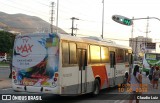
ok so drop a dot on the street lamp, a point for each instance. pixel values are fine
(146, 18)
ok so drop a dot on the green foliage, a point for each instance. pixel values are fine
(4, 63)
(6, 42)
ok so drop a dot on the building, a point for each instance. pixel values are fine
(138, 46)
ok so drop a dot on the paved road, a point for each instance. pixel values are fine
(4, 72)
(106, 96)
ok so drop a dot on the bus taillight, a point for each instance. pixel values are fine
(14, 75)
(56, 75)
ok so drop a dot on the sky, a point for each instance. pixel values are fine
(89, 13)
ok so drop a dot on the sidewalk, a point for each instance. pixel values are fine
(4, 67)
(5, 83)
(151, 90)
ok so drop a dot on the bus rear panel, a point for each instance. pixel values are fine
(35, 63)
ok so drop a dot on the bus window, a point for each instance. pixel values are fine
(73, 54)
(95, 54)
(88, 55)
(126, 56)
(130, 58)
(65, 53)
(104, 55)
(112, 59)
(119, 55)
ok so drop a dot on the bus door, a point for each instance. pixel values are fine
(82, 62)
(113, 67)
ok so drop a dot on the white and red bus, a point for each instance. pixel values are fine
(63, 64)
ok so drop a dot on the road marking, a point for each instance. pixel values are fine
(120, 101)
(117, 101)
(6, 88)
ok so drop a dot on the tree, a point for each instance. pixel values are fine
(6, 42)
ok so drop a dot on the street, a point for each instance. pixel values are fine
(79, 51)
(110, 95)
(4, 72)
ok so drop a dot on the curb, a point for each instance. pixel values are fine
(4, 67)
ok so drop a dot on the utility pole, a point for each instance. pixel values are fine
(102, 19)
(136, 51)
(73, 18)
(76, 29)
(146, 40)
(57, 16)
(147, 27)
(132, 41)
(52, 18)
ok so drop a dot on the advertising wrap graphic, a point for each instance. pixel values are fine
(35, 60)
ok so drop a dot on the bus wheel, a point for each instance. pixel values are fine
(96, 87)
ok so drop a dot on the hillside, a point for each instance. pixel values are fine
(24, 23)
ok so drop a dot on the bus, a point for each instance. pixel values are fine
(63, 64)
(150, 59)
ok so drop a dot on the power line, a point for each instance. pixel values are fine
(22, 9)
(117, 39)
(26, 5)
(67, 11)
(41, 3)
(48, 6)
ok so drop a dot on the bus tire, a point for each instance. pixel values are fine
(96, 87)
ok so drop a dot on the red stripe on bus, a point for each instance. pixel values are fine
(100, 71)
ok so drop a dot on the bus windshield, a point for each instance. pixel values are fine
(152, 58)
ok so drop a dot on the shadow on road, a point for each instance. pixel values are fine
(106, 94)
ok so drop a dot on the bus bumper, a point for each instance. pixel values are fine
(32, 89)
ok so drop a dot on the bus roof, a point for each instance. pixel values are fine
(91, 39)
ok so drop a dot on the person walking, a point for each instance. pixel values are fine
(156, 75)
(151, 74)
(135, 81)
(126, 77)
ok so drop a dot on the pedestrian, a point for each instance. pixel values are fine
(151, 74)
(156, 75)
(126, 77)
(135, 81)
